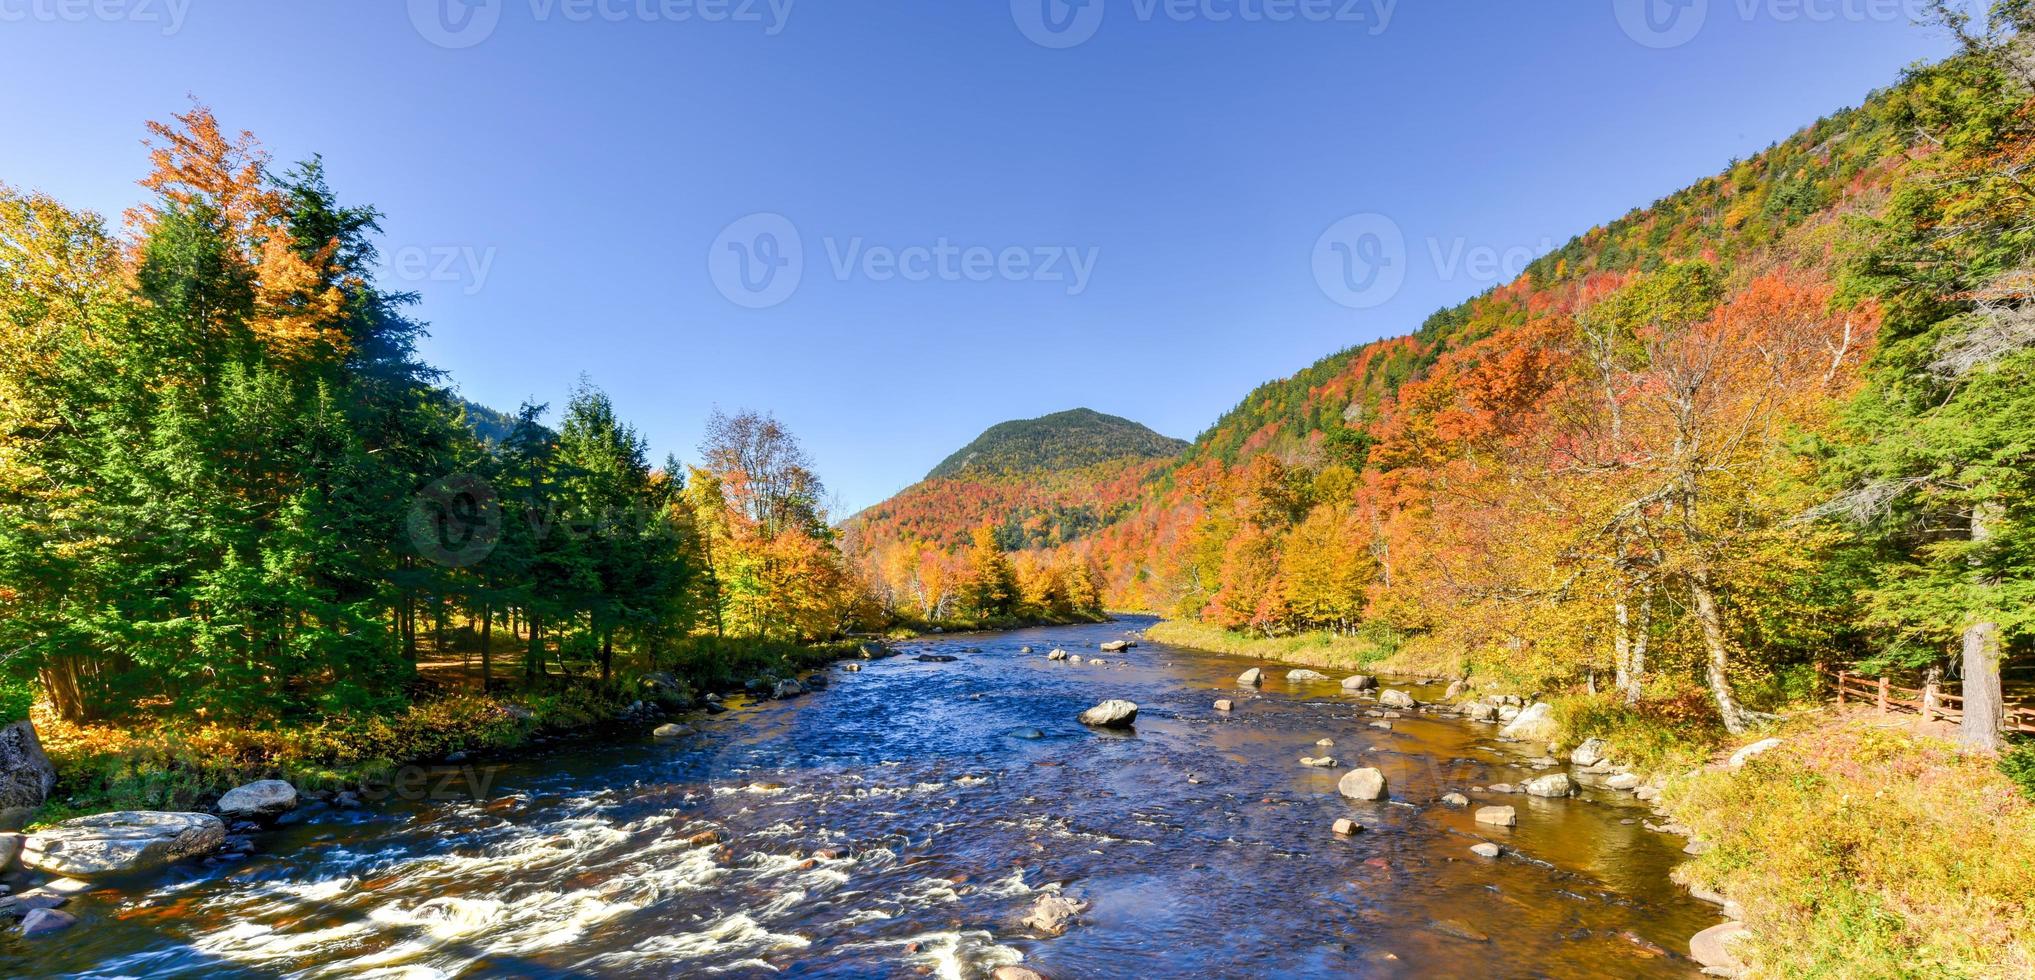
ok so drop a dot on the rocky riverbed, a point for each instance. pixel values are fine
(953, 816)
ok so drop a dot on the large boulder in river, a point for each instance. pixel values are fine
(1359, 682)
(1397, 699)
(1554, 785)
(1113, 713)
(1590, 752)
(1052, 914)
(1362, 784)
(1535, 724)
(1304, 676)
(259, 801)
(1251, 678)
(122, 842)
(26, 776)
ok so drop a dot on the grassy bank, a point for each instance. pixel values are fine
(1314, 649)
(1859, 851)
(171, 763)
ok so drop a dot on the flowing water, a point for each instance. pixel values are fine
(958, 793)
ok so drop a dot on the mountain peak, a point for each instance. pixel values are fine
(1065, 440)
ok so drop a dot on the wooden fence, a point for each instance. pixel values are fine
(1930, 701)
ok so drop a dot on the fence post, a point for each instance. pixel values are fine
(1883, 695)
(1932, 684)
(1841, 676)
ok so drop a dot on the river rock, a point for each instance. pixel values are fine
(1623, 780)
(852, 668)
(875, 651)
(1455, 690)
(1486, 849)
(1762, 746)
(1504, 788)
(1345, 827)
(26, 776)
(1554, 785)
(122, 842)
(1115, 646)
(1590, 752)
(1359, 682)
(1396, 699)
(935, 658)
(1502, 816)
(1113, 713)
(1073, 658)
(1647, 793)
(1052, 914)
(1455, 799)
(1479, 711)
(1533, 723)
(1029, 734)
(1712, 947)
(1318, 762)
(1057, 655)
(1362, 784)
(1304, 676)
(674, 730)
(1223, 704)
(1507, 712)
(1386, 725)
(1251, 678)
(1011, 971)
(259, 801)
(42, 922)
(1024, 649)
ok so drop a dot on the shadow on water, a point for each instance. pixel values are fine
(907, 818)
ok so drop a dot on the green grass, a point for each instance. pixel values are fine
(1317, 649)
(1657, 736)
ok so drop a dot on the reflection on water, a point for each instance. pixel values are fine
(907, 818)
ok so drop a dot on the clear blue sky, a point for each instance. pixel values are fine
(590, 157)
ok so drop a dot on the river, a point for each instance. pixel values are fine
(1199, 841)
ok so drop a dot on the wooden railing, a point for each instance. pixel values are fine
(1930, 700)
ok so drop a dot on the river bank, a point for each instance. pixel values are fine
(913, 812)
(1841, 842)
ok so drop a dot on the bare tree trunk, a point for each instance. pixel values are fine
(1985, 706)
(487, 636)
(1719, 655)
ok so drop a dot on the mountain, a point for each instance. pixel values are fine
(1067, 440)
(1038, 483)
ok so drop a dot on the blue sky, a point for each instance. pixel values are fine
(1144, 214)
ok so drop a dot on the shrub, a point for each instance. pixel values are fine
(2019, 765)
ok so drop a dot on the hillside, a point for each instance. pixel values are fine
(1058, 442)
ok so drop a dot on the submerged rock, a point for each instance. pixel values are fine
(1362, 784)
(1113, 713)
(42, 922)
(259, 801)
(122, 842)
(1501, 816)
(935, 658)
